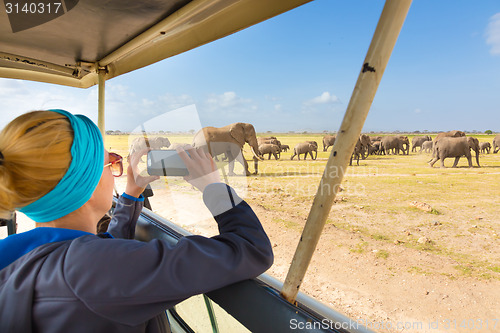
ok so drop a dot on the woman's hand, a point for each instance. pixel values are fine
(201, 167)
(135, 182)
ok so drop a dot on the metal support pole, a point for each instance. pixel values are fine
(383, 41)
(12, 225)
(101, 100)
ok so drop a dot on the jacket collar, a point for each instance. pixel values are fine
(15, 246)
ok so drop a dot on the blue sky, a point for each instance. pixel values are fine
(296, 72)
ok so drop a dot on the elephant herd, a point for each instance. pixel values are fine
(272, 146)
(367, 145)
(453, 144)
(229, 140)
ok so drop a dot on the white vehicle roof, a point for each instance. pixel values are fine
(69, 46)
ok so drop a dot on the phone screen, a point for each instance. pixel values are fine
(166, 163)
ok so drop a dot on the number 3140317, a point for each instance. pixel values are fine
(33, 8)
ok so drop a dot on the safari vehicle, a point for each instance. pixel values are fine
(40, 43)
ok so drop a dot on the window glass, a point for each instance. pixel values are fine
(194, 312)
(200, 313)
(225, 322)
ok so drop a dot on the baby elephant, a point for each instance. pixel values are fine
(269, 148)
(285, 147)
(426, 146)
(305, 148)
(485, 147)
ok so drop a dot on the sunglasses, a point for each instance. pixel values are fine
(116, 164)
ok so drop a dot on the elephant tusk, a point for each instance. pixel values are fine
(254, 154)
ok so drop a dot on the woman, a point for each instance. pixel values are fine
(61, 277)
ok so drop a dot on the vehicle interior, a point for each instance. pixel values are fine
(56, 51)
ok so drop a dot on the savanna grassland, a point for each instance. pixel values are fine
(380, 257)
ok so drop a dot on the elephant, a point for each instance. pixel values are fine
(485, 147)
(427, 146)
(269, 148)
(285, 147)
(362, 148)
(374, 148)
(229, 140)
(406, 142)
(314, 143)
(395, 143)
(365, 142)
(180, 145)
(375, 138)
(305, 148)
(496, 144)
(328, 140)
(455, 147)
(141, 143)
(417, 141)
(272, 140)
(452, 134)
(358, 151)
(267, 138)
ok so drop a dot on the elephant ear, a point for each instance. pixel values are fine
(166, 142)
(473, 143)
(238, 133)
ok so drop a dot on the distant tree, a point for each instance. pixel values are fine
(291, 132)
(416, 132)
(268, 132)
(305, 132)
(191, 131)
(488, 132)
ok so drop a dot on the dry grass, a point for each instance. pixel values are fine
(464, 225)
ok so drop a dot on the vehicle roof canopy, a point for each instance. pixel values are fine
(69, 47)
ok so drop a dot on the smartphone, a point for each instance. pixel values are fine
(166, 163)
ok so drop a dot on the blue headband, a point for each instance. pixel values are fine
(82, 177)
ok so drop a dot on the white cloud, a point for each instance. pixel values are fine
(324, 98)
(124, 109)
(272, 98)
(182, 119)
(18, 97)
(493, 34)
(418, 110)
(173, 102)
(227, 100)
(278, 107)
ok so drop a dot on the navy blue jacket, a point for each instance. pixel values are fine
(60, 280)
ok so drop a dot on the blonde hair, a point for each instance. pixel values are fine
(36, 149)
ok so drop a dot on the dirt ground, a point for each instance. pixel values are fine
(389, 293)
(385, 293)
